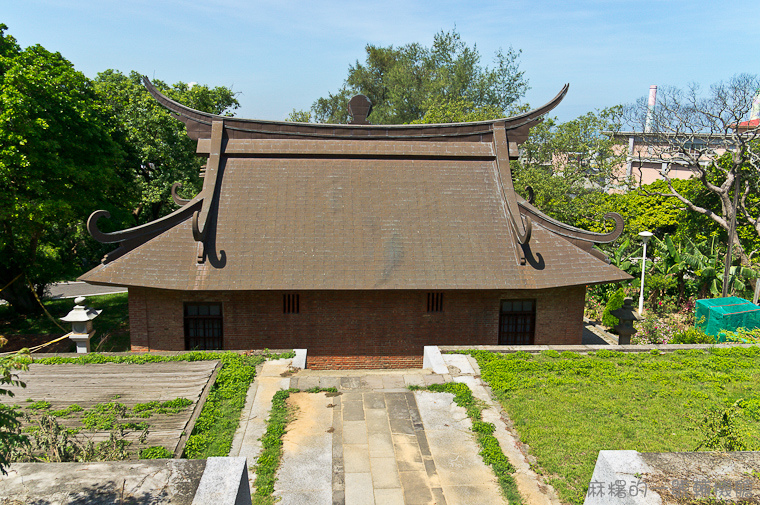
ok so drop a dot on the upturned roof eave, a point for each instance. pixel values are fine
(187, 114)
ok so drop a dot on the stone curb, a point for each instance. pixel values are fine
(432, 359)
(536, 349)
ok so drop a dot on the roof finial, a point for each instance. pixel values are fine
(359, 107)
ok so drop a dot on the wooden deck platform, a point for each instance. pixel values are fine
(128, 384)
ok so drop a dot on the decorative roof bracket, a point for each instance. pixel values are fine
(201, 217)
(133, 237)
(571, 232)
(521, 228)
(178, 199)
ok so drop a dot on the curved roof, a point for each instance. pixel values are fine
(311, 206)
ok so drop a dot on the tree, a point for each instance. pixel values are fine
(644, 209)
(458, 110)
(299, 116)
(565, 162)
(703, 132)
(58, 161)
(159, 152)
(404, 83)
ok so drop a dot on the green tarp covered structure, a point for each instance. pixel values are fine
(726, 314)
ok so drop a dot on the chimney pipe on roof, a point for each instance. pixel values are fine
(755, 112)
(650, 108)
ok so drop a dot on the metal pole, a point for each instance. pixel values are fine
(643, 269)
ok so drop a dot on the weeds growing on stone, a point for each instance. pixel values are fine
(490, 450)
(271, 444)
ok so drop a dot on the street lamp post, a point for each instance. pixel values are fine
(645, 236)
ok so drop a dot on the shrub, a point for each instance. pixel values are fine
(614, 303)
(11, 438)
(725, 429)
(52, 443)
(692, 336)
(653, 330)
(742, 336)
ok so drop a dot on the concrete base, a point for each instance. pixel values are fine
(224, 482)
(433, 360)
(82, 341)
(300, 360)
(630, 477)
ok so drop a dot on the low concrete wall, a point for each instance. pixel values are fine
(630, 477)
(158, 353)
(157, 481)
(221, 481)
(535, 349)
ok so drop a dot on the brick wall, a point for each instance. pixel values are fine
(356, 329)
(361, 362)
(138, 319)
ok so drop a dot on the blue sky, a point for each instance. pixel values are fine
(282, 55)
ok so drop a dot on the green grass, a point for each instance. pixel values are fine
(112, 323)
(490, 450)
(567, 407)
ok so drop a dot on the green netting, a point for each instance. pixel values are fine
(727, 314)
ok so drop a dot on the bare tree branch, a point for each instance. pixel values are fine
(706, 133)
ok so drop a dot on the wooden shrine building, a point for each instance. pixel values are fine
(361, 243)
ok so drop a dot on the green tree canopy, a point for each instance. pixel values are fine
(58, 161)
(158, 150)
(405, 83)
(645, 210)
(563, 162)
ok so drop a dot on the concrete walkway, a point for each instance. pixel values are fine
(258, 403)
(377, 442)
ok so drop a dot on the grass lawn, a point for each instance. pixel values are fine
(567, 407)
(111, 327)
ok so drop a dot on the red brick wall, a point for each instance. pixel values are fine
(138, 320)
(357, 362)
(367, 329)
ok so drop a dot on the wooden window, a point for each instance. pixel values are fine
(435, 302)
(517, 322)
(291, 303)
(203, 326)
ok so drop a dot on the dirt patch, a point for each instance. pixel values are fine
(308, 410)
(18, 342)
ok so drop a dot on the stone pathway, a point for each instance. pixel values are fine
(377, 442)
(258, 403)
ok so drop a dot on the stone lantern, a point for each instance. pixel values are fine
(81, 318)
(626, 315)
